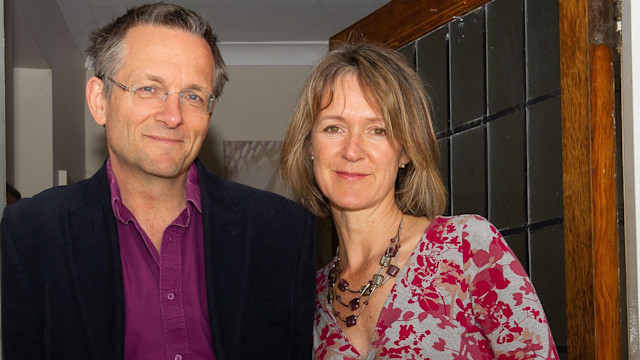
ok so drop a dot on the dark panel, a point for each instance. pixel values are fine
(505, 58)
(409, 52)
(468, 180)
(444, 170)
(543, 51)
(518, 244)
(506, 150)
(624, 331)
(545, 161)
(547, 275)
(432, 51)
(467, 68)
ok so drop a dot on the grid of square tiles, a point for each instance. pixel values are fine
(493, 76)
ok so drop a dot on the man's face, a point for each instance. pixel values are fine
(158, 141)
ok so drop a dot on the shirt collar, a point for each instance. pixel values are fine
(123, 214)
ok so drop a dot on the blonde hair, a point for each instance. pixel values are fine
(393, 89)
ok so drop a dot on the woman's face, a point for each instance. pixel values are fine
(355, 163)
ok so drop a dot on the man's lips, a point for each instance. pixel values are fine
(164, 139)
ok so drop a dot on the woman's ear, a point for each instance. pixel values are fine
(96, 100)
(404, 159)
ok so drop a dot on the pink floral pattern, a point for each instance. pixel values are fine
(461, 295)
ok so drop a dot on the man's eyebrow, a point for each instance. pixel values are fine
(192, 86)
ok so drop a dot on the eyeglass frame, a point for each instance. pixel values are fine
(210, 104)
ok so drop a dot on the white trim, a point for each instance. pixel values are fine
(631, 164)
(305, 53)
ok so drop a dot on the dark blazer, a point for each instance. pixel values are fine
(62, 292)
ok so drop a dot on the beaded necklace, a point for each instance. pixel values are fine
(367, 290)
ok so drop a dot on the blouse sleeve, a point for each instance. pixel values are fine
(505, 304)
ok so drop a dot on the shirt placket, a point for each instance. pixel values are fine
(171, 299)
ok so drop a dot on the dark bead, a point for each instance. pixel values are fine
(392, 251)
(368, 290)
(343, 285)
(330, 296)
(332, 278)
(354, 304)
(393, 270)
(350, 320)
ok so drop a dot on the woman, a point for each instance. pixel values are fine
(360, 148)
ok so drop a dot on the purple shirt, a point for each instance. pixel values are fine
(166, 314)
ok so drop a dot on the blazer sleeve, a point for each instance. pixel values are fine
(22, 303)
(304, 293)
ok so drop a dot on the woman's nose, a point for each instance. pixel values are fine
(353, 149)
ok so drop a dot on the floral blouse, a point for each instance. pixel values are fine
(461, 295)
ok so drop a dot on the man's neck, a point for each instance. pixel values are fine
(154, 201)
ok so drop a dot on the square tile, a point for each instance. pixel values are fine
(518, 244)
(466, 62)
(443, 144)
(544, 138)
(507, 183)
(547, 275)
(542, 47)
(431, 52)
(468, 179)
(409, 53)
(505, 55)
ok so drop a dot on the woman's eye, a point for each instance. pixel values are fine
(380, 131)
(332, 129)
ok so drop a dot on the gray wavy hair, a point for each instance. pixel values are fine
(105, 51)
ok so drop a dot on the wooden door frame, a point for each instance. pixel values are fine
(588, 143)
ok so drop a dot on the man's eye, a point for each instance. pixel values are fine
(147, 90)
(192, 97)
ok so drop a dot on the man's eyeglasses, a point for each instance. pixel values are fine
(191, 101)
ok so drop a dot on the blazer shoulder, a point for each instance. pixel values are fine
(52, 201)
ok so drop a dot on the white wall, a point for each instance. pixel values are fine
(47, 27)
(32, 130)
(631, 164)
(256, 105)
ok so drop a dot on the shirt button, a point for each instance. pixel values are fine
(172, 296)
(178, 357)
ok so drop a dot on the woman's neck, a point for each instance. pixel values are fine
(364, 235)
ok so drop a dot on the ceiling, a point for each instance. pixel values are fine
(251, 32)
(237, 22)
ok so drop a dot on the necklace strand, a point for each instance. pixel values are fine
(367, 290)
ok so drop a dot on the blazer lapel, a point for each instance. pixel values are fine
(94, 257)
(227, 247)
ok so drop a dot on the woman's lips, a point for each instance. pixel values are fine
(350, 175)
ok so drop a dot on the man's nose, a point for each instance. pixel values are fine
(172, 111)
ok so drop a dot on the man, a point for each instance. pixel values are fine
(155, 257)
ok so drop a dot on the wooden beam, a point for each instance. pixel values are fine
(605, 220)
(590, 215)
(576, 163)
(402, 21)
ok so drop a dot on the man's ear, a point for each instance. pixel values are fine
(96, 100)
